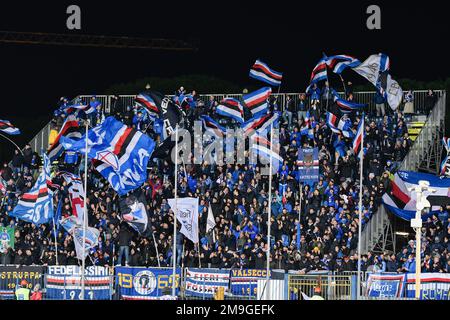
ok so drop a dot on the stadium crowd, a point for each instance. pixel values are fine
(238, 197)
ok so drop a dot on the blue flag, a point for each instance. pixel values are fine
(121, 153)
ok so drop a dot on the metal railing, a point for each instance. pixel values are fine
(329, 286)
(429, 133)
(40, 141)
(373, 229)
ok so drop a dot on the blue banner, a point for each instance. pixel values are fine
(205, 282)
(64, 283)
(385, 285)
(308, 163)
(433, 286)
(139, 283)
(245, 282)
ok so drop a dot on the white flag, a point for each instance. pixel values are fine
(187, 215)
(210, 222)
(375, 69)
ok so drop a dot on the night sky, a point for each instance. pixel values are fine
(230, 37)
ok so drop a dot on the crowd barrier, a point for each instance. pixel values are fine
(141, 283)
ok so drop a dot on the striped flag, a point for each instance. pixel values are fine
(69, 129)
(338, 125)
(345, 106)
(87, 108)
(7, 127)
(262, 72)
(213, 127)
(342, 61)
(319, 72)
(446, 143)
(230, 107)
(36, 206)
(265, 149)
(357, 141)
(260, 123)
(147, 102)
(256, 101)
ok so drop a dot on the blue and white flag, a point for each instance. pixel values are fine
(257, 101)
(260, 124)
(7, 127)
(338, 125)
(265, 149)
(357, 141)
(262, 72)
(122, 153)
(75, 228)
(230, 107)
(36, 206)
(319, 72)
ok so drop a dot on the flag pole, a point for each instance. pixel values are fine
(12, 143)
(361, 156)
(156, 248)
(174, 253)
(83, 262)
(56, 242)
(269, 216)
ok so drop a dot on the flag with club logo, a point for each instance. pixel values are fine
(257, 101)
(261, 71)
(187, 215)
(376, 70)
(232, 108)
(7, 127)
(36, 206)
(133, 210)
(69, 129)
(121, 153)
(7, 238)
(73, 226)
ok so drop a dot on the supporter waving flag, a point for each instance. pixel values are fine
(87, 108)
(262, 72)
(213, 127)
(7, 127)
(121, 153)
(257, 101)
(230, 107)
(36, 206)
(69, 129)
(267, 150)
(134, 212)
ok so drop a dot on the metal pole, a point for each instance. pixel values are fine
(56, 241)
(269, 216)
(12, 143)
(83, 262)
(174, 254)
(418, 245)
(156, 248)
(361, 160)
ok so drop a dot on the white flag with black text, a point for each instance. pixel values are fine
(187, 215)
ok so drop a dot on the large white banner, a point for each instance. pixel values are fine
(374, 69)
(187, 215)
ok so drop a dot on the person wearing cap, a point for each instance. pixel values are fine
(22, 292)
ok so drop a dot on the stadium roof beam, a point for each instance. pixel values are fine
(82, 40)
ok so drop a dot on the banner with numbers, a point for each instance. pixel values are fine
(245, 282)
(139, 283)
(10, 277)
(64, 283)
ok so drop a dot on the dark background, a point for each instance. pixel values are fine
(230, 36)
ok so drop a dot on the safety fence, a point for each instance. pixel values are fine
(142, 283)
